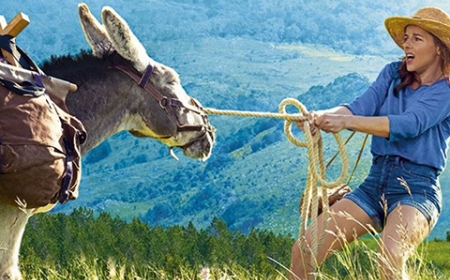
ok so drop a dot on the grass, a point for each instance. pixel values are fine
(83, 269)
(357, 261)
(438, 254)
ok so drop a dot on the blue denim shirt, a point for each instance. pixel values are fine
(419, 120)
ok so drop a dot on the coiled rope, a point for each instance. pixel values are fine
(316, 168)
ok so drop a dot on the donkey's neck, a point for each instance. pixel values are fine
(102, 102)
(102, 108)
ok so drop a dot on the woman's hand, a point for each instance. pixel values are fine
(330, 122)
(333, 120)
(311, 117)
(324, 121)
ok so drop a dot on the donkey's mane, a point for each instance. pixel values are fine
(87, 67)
(76, 68)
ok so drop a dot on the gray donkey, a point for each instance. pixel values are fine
(119, 88)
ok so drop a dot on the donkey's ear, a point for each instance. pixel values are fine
(123, 39)
(94, 32)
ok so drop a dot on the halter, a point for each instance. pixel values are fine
(169, 104)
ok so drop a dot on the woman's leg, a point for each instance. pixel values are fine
(348, 221)
(405, 228)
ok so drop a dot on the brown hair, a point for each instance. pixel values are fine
(409, 77)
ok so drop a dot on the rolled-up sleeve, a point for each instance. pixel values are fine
(431, 109)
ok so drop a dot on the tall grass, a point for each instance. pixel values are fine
(83, 269)
(357, 261)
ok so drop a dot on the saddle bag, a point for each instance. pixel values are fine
(40, 160)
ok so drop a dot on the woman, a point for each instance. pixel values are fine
(407, 112)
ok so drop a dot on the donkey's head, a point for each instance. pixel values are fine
(165, 111)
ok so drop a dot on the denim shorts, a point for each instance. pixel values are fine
(394, 181)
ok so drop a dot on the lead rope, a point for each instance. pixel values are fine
(316, 168)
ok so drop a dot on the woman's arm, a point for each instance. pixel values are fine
(339, 118)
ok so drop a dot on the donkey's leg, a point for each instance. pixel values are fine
(12, 225)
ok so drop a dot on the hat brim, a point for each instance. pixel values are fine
(396, 28)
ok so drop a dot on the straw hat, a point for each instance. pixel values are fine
(433, 20)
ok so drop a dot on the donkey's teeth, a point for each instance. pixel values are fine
(172, 153)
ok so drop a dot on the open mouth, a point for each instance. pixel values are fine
(409, 57)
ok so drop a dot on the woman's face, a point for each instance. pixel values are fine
(421, 51)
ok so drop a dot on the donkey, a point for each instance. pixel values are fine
(119, 88)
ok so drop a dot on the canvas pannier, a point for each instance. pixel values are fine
(39, 146)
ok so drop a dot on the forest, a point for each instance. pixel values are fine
(62, 239)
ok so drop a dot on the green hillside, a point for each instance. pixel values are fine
(242, 55)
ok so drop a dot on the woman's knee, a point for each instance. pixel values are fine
(393, 254)
(392, 259)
